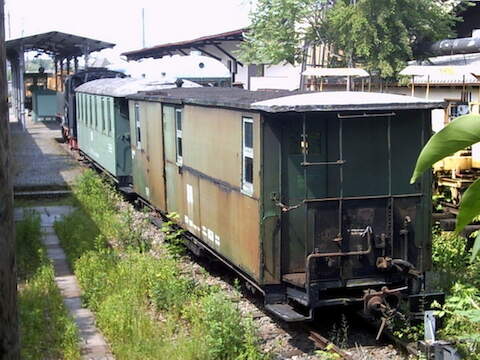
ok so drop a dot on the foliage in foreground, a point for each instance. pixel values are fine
(457, 135)
(144, 306)
(460, 280)
(46, 330)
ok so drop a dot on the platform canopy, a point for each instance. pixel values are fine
(57, 44)
(182, 47)
(61, 46)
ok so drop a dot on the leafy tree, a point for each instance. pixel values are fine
(457, 135)
(379, 34)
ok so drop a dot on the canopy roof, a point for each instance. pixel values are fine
(443, 74)
(57, 43)
(187, 45)
(336, 72)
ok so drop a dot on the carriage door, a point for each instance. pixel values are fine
(155, 158)
(301, 180)
(171, 167)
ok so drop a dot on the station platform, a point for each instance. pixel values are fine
(40, 161)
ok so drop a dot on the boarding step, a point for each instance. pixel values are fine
(286, 313)
(297, 295)
(296, 279)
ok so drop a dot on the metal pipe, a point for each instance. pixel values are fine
(338, 162)
(341, 253)
(340, 150)
(365, 197)
(305, 174)
(365, 115)
(338, 254)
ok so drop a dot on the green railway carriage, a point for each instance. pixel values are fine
(103, 123)
(307, 195)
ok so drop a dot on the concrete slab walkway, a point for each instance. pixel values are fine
(40, 161)
(93, 345)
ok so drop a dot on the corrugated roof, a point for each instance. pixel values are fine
(119, 87)
(344, 101)
(445, 70)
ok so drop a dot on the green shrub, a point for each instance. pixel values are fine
(461, 314)
(224, 332)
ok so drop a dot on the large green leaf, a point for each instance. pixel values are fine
(476, 246)
(469, 206)
(460, 133)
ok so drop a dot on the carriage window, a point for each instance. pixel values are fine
(106, 115)
(80, 107)
(102, 113)
(137, 125)
(90, 110)
(77, 100)
(112, 115)
(84, 108)
(95, 109)
(247, 156)
(178, 132)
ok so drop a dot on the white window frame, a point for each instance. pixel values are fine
(138, 129)
(247, 152)
(179, 136)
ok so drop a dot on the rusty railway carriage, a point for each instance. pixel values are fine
(307, 196)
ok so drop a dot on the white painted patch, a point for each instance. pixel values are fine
(204, 231)
(185, 219)
(110, 148)
(189, 194)
(217, 240)
(133, 154)
(147, 191)
(210, 235)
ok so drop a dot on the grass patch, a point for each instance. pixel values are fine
(144, 305)
(460, 279)
(46, 330)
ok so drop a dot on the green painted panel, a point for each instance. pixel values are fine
(406, 130)
(365, 150)
(270, 223)
(122, 138)
(112, 152)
